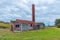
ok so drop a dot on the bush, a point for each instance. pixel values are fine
(58, 25)
(3, 27)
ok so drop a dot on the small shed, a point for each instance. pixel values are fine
(22, 25)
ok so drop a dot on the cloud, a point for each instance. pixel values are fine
(46, 10)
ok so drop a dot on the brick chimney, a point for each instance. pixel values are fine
(33, 12)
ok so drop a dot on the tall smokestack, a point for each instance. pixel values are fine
(33, 12)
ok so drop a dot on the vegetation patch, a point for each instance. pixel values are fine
(4, 25)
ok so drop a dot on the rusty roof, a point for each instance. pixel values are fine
(25, 21)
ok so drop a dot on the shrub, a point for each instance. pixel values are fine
(58, 25)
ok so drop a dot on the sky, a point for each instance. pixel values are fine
(46, 11)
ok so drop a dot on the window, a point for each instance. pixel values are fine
(31, 25)
(17, 26)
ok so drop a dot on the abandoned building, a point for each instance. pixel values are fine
(24, 25)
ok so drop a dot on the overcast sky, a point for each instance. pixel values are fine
(46, 10)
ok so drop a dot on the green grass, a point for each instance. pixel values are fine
(43, 34)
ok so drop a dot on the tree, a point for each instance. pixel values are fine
(12, 21)
(57, 21)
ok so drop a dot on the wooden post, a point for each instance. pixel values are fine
(11, 27)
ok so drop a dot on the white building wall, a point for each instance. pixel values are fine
(22, 27)
(25, 27)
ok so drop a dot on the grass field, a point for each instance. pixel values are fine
(43, 34)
